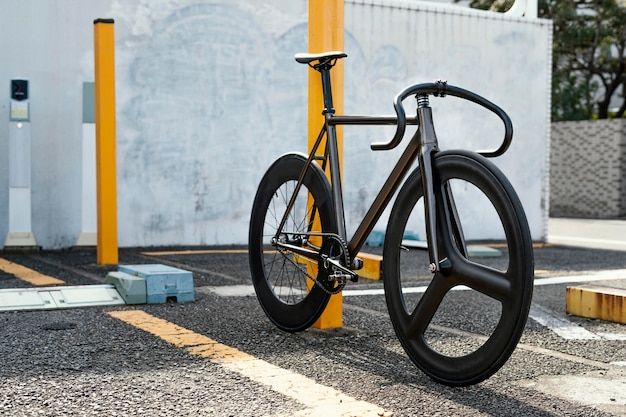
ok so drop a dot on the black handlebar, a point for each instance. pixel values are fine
(441, 89)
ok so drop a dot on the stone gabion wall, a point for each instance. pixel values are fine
(588, 169)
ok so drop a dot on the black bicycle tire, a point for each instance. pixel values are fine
(491, 356)
(301, 315)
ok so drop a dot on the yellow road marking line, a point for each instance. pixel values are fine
(320, 399)
(536, 245)
(27, 274)
(201, 252)
(194, 252)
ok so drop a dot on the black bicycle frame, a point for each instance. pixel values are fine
(422, 146)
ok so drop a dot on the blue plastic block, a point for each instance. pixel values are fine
(131, 287)
(377, 238)
(163, 282)
(480, 251)
(408, 235)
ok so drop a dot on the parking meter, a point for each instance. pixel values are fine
(20, 233)
(19, 101)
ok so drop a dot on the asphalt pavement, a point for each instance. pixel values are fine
(220, 355)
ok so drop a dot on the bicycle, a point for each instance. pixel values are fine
(300, 255)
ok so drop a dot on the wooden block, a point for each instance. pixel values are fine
(596, 302)
(371, 266)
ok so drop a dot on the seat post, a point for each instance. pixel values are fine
(327, 90)
(323, 63)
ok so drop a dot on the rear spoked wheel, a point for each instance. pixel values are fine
(284, 280)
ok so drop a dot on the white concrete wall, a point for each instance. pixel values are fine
(506, 59)
(208, 95)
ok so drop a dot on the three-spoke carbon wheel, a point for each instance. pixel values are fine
(281, 278)
(461, 324)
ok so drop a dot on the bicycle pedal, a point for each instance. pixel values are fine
(341, 278)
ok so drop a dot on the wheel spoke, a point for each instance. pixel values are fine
(427, 306)
(491, 282)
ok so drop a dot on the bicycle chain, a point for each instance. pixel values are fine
(344, 248)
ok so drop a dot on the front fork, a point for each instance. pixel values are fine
(433, 197)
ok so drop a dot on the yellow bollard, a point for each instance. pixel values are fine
(326, 27)
(106, 178)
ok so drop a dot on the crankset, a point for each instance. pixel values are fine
(332, 265)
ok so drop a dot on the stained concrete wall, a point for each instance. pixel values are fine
(208, 95)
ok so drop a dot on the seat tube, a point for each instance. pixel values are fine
(333, 153)
(335, 175)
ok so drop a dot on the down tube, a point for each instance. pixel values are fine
(384, 196)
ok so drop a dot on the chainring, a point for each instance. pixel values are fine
(334, 248)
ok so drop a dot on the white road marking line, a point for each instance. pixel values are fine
(564, 328)
(245, 290)
(569, 279)
(561, 326)
(612, 336)
(408, 290)
(229, 290)
(248, 290)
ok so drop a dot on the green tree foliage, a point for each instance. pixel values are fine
(589, 55)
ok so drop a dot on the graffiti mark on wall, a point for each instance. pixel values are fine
(216, 99)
